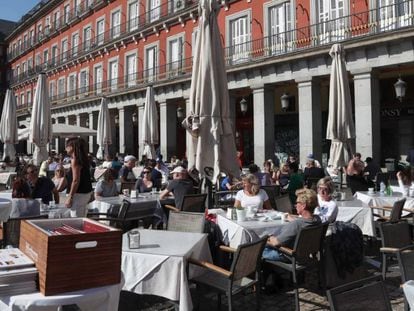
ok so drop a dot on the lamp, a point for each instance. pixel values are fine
(116, 119)
(285, 101)
(87, 123)
(134, 118)
(400, 87)
(180, 113)
(243, 105)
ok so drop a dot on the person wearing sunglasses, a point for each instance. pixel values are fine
(41, 186)
(327, 209)
(145, 183)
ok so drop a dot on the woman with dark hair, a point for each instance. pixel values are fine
(145, 183)
(22, 204)
(80, 176)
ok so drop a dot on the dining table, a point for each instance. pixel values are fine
(6, 178)
(357, 212)
(159, 265)
(378, 198)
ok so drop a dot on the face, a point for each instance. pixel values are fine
(130, 164)
(323, 191)
(69, 149)
(31, 174)
(146, 173)
(247, 185)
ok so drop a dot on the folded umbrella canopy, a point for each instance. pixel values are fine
(340, 129)
(209, 122)
(8, 126)
(104, 135)
(61, 130)
(40, 121)
(149, 129)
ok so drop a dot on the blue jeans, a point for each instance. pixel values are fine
(270, 253)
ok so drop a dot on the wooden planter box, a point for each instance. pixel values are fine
(74, 261)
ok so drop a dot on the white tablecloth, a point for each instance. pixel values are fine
(380, 199)
(7, 178)
(104, 298)
(158, 267)
(408, 288)
(5, 209)
(357, 212)
(236, 232)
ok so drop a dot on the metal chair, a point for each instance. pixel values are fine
(272, 192)
(307, 246)
(395, 211)
(283, 204)
(195, 203)
(405, 257)
(11, 229)
(224, 199)
(186, 222)
(394, 237)
(246, 262)
(364, 294)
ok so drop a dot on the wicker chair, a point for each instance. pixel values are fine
(272, 192)
(11, 229)
(283, 204)
(246, 262)
(365, 294)
(394, 236)
(308, 245)
(186, 222)
(195, 203)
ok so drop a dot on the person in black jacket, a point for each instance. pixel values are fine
(312, 173)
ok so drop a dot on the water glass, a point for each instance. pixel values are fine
(134, 238)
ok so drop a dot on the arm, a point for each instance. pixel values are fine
(273, 241)
(266, 205)
(164, 194)
(56, 195)
(237, 204)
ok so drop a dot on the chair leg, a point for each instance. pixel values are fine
(230, 301)
(295, 284)
(384, 266)
(218, 301)
(258, 291)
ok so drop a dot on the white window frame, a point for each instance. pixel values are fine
(100, 37)
(61, 93)
(74, 48)
(56, 21)
(52, 89)
(113, 81)
(87, 42)
(98, 84)
(131, 77)
(83, 89)
(66, 13)
(175, 66)
(54, 58)
(240, 50)
(22, 98)
(63, 51)
(72, 89)
(151, 72)
(116, 29)
(29, 96)
(154, 10)
(133, 21)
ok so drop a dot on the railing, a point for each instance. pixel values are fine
(345, 28)
(150, 16)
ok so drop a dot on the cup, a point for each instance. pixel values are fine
(229, 213)
(125, 192)
(134, 238)
(343, 196)
(133, 194)
(283, 217)
(370, 190)
(154, 190)
(241, 214)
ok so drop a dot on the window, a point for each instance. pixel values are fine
(29, 96)
(175, 56)
(280, 28)
(17, 70)
(77, 7)
(31, 37)
(72, 85)
(45, 58)
(38, 59)
(52, 89)
(98, 79)
(56, 19)
(22, 102)
(133, 15)
(100, 31)
(151, 63)
(239, 37)
(25, 42)
(75, 44)
(395, 13)
(64, 50)
(155, 10)
(61, 88)
(113, 74)
(116, 24)
(47, 25)
(176, 5)
(39, 32)
(131, 76)
(66, 13)
(331, 27)
(30, 64)
(54, 55)
(87, 34)
(83, 82)
(24, 68)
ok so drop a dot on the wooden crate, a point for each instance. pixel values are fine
(76, 261)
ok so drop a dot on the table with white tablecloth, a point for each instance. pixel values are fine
(104, 298)
(158, 267)
(6, 178)
(381, 199)
(357, 212)
(408, 288)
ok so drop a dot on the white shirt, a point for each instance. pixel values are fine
(256, 200)
(327, 210)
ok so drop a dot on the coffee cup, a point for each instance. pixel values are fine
(371, 190)
(125, 192)
(133, 193)
(283, 217)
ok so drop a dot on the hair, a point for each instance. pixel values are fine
(252, 179)
(58, 169)
(20, 188)
(31, 166)
(80, 151)
(253, 168)
(357, 154)
(109, 173)
(307, 197)
(294, 166)
(328, 183)
(310, 162)
(358, 166)
(406, 176)
(148, 168)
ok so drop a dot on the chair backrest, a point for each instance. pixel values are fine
(396, 211)
(194, 203)
(381, 177)
(124, 209)
(186, 222)
(127, 185)
(311, 182)
(247, 259)
(406, 262)
(224, 199)
(395, 235)
(364, 294)
(283, 204)
(11, 229)
(272, 192)
(309, 241)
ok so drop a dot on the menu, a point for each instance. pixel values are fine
(14, 258)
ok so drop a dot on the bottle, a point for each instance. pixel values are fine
(389, 190)
(382, 187)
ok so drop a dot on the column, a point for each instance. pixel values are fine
(367, 115)
(57, 138)
(140, 117)
(91, 139)
(122, 127)
(67, 120)
(310, 119)
(78, 119)
(168, 129)
(263, 123)
(233, 103)
(188, 138)
(28, 143)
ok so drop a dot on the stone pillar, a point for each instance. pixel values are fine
(56, 138)
(67, 120)
(310, 119)
(263, 123)
(78, 119)
(28, 143)
(168, 129)
(140, 117)
(91, 138)
(122, 127)
(233, 103)
(367, 115)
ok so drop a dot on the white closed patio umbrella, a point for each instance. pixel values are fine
(8, 126)
(340, 129)
(209, 122)
(104, 135)
(40, 121)
(149, 128)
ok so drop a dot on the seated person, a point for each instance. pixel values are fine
(59, 179)
(371, 169)
(229, 183)
(355, 179)
(282, 176)
(327, 209)
(125, 173)
(404, 180)
(22, 204)
(306, 203)
(179, 186)
(145, 183)
(251, 194)
(265, 179)
(312, 172)
(106, 186)
(41, 186)
(295, 181)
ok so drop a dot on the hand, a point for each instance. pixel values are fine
(272, 241)
(69, 202)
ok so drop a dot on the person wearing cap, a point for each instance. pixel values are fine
(125, 173)
(316, 162)
(179, 186)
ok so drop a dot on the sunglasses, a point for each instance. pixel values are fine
(146, 172)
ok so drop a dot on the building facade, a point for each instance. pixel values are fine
(115, 48)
